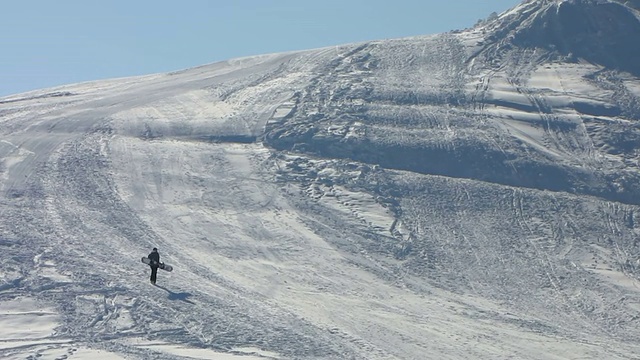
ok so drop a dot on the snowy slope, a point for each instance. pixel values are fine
(468, 195)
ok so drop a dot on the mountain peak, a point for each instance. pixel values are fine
(603, 32)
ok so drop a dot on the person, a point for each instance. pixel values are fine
(155, 263)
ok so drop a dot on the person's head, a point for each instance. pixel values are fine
(155, 249)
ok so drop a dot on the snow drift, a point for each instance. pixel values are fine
(464, 195)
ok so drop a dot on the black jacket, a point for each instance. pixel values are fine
(154, 257)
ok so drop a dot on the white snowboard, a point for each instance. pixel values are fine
(162, 266)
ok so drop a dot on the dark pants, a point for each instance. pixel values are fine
(154, 273)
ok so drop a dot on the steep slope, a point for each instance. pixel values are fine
(467, 195)
(600, 32)
(438, 94)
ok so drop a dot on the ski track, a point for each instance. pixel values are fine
(297, 254)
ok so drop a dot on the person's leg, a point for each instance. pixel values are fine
(154, 273)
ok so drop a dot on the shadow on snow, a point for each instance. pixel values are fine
(183, 296)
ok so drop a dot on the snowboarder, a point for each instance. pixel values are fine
(155, 263)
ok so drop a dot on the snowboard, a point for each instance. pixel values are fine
(163, 266)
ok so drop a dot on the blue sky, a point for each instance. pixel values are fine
(45, 43)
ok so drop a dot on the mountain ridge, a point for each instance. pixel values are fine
(464, 63)
(593, 30)
(448, 196)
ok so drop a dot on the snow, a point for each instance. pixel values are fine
(29, 328)
(204, 354)
(27, 319)
(633, 87)
(384, 200)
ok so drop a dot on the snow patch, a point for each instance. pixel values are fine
(634, 87)
(202, 354)
(26, 319)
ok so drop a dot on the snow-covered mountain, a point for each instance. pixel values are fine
(468, 195)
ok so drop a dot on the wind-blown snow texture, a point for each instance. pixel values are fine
(469, 195)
